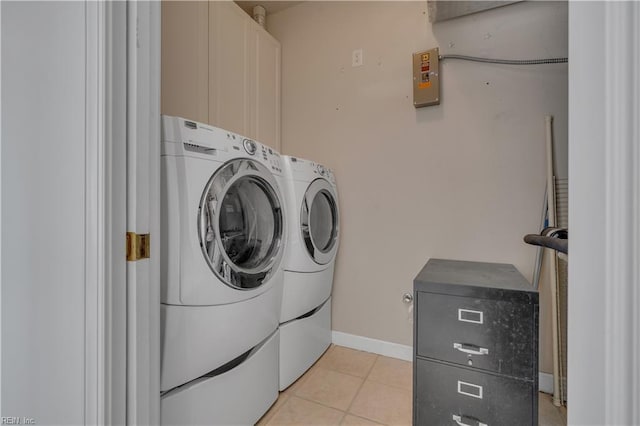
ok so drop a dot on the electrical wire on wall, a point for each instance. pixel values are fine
(506, 61)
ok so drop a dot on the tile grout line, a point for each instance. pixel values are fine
(381, 382)
(343, 372)
(272, 415)
(372, 366)
(367, 378)
(320, 403)
(391, 386)
(361, 386)
(307, 400)
(305, 377)
(363, 378)
(312, 370)
(323, 404)
(367, 419)
(376, 356)
(344, 413)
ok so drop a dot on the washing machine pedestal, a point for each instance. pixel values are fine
(240, 395)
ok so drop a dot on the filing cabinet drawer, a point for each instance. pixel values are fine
(450, 395)
(491, 335)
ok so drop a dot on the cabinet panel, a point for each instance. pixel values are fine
(184, 62)
(229, 53)
(267, 99)
(220, 67)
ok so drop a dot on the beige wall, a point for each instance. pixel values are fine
(462, 180)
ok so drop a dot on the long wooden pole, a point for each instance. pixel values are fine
(552, 261)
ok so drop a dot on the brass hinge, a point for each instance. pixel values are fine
(137, 246)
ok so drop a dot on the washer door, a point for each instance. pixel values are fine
(240, 224)
(319, 221)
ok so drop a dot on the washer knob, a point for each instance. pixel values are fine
(321, 170)
(249, 146)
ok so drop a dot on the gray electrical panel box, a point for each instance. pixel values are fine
(426, 78)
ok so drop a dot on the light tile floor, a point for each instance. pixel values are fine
(349, 387)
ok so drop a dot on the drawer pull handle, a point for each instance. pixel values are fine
(471, 349)
(469, 315)
(459, 420)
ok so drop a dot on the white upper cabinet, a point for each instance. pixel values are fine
(267, 91)
(230, 74)
(185, 61)
(229, 67)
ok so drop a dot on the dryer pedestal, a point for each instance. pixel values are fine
(302, 343)
(304, 291)
(239, 396)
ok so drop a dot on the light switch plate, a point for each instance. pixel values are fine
(356, 58)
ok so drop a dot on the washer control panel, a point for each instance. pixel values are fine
(271, 158)
(249, 146)
(185, 137)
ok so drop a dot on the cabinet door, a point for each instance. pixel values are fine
(184, 63)
(267, 89)
(230, 45)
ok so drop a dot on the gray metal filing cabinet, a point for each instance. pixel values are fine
(475, 345)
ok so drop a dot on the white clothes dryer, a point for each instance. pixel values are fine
(222, 244)
(311, 197)
(314, 228)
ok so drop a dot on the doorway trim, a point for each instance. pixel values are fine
(96, 305)
(622, 185)
(604, 213)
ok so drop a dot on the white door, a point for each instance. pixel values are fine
(79, 167)
(142, 210)
(604, 213)
(56, 333)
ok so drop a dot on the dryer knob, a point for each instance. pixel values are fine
(321, 170)
(249, 146)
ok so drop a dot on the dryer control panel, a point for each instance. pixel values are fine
(308, 168)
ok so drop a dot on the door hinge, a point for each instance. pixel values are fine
(137, 246)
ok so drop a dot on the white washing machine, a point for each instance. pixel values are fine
(305, 317)
(222, 244)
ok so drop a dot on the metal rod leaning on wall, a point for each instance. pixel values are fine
(540, 249)
(552, 260)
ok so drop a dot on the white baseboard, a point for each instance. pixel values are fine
(405, 352)
(545, 383)
(380, 347)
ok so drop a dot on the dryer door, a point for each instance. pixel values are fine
(319, 221)
(240, 224)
